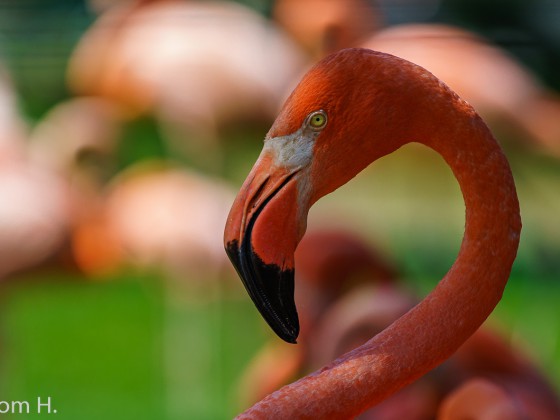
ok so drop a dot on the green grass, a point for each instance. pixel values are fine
(93, 348)
(122, 349)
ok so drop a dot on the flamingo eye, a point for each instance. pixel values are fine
(317, 120)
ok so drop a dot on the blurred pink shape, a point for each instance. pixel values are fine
(53, 181)
(324, 26)
(76, 141)
(500, 88)
(329, 263)
(34, 216)
(480, 398)
(13, 130)
(34, 209)
(75, 136)
(159, 216)
(195, 65)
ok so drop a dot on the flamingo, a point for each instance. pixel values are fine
(76, 143)
(77, 139)
(323, 26)
(352, 108)
(197, 66)
(169, 200)
(491, 402)
(13, 130)
(34, 209)
(330, 262)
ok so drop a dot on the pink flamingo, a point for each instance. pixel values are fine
(197, 66)
(349, 110)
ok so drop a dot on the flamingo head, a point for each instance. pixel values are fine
(336, 122)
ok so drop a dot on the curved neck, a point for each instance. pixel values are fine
(432, 331)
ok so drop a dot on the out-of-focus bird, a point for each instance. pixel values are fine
(348, 111)
(34, 216)
(489, 358)
(34, 210)
(155, 215)
(13, 129)
(499, 87)
(481, 399)
(325, 26)
(76, 142)
(78, 139)
(197, 66)
(332, 262)
(485, 356)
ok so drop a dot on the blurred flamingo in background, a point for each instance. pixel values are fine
(77, 140)
(332, 262)
(34, 210)
(34, 216)
(55, 181)
(156, 215)
(481, 399)
(489, 369)
(13, 130)
(325, 26)
(485, 357)
(500, 88)
(197, 66)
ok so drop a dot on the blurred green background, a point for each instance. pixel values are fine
(135, 344)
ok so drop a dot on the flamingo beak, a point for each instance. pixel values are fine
(263, 229)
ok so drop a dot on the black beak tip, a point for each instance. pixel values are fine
(292, 339)
(287, 329)
(270, 288)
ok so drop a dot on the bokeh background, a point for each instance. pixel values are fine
(126, 129)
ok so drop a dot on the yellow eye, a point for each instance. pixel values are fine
(317, 120)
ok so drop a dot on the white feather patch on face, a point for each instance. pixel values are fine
(293, 151)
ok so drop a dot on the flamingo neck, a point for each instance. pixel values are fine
(434, 329)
